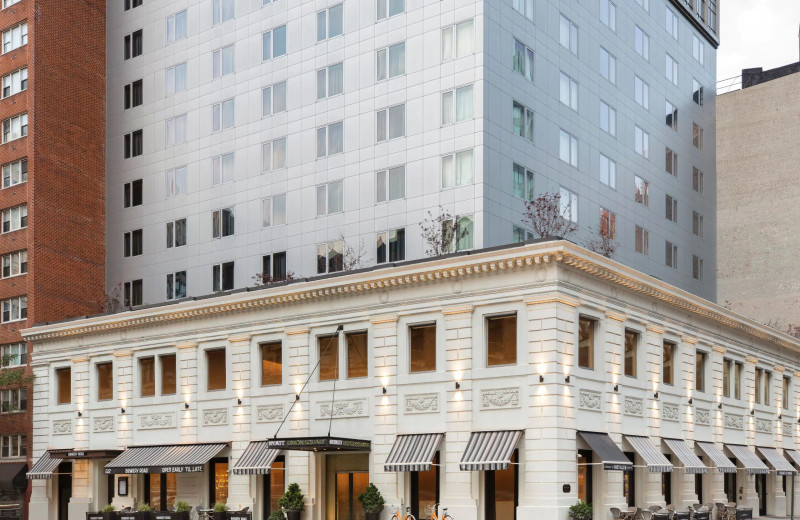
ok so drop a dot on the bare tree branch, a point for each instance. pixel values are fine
(602, 243)
(441, 233)
(354, 259)
(545, 215)
(267, 279)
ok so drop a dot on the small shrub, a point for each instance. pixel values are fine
(108, 509)
(144, 508)
(581, 511)
(182, 506)
(292, 500)
(220, 507)
(277, 515)
(371, 499)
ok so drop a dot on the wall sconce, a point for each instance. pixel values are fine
(296, 397)
(541, 378)
(780, 416)
(655, 395)
(458, 385)
(80, 414)
(719, 406)
(122, 410)
(384, 390)
(566, 379)
(616, 388)
(186, 406)
(239, 402)
(752, 411)
(691, 400)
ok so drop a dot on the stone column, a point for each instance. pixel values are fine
(81, 478)
(187, 389)
(614, 358)
(747, 483)
(458, 488)
(714, 481)
(654, 352)
(43, 501)
(683, 493)
(301, 466)
(123, 366)
(239, 495)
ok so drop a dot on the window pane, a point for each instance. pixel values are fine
(631, 342)
(502, 340)
(448, 110)
(357, 355)
(168, 376)
(105, 381)
(215, 360)
(336, 26)
(335, 197)
(147, 376)
(667, 362)
(585, 343)
(329, 357)
(422, 351)
(271, 363)
(279, 41)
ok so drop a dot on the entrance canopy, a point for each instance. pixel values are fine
(413, 452)
(612, 457)
(44, 467)
(655, 460)
(723, 463)
(179, 458)
(488, 451)
(691, 462)
(745, 455)
(257, 459)
(778, 463)
(319, 444)
(13, 475)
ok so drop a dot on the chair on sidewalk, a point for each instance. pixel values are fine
(616, 514)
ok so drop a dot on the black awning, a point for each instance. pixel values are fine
(319, 444)
(12, 475)
(612, 457)
(177, 458)
(84, 454)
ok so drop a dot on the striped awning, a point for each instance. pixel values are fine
(794, 456)
(178, 458)
(723, 463)
(413, 452)
(256, 459)
(655, 460)
(612, 457)
(44, 467)
(691, 462)
(487, 451)
(778, 463)
(752, 464)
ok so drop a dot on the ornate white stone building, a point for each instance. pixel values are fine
(505, 383)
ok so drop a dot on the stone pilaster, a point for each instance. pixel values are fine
(714, 481)
(299, 464)
(239, 348)
(187, 389)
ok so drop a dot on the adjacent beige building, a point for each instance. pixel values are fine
(758, 196)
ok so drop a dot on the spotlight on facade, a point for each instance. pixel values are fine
(122, 410)
(616, 388)
(566, 379)
(719, 406)
(186, 406)
(541, 379)
(80, 414)
(655, 395)
(297, 397)
(691, 400)
(384, 390)
(752, 411)
(239, 402)
(458, 385)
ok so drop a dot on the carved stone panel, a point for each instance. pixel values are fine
(215, 417)
(702, 416)
(500, 398)
(787, 429)
(102, 424)
(270, 413)
(421, 403)
(633, 406)
(62, 427)
(734, 422)
(763, 425)
(590, 400)
(156, 421)
(670, 412)
(343, 409)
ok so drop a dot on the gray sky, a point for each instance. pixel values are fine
(757, 33)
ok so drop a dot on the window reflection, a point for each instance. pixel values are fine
(502, 340)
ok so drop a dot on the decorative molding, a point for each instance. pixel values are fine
(156, 421)
(787, 429)
(500, 398)
(185, 345)
(126, 353)
(718, 349)
(297, 332)
(384, 319)
(102, 424)
(616, 317)
(590, 400)
(451, 311)
(62, 427)
(633, 406)
(702, 416)
(670, 412)
(343, 409)
(734, 421)
(655, 329)
(269, 413)
(763, 425)
(559, 298)
(751, 359)
(690, 340)
(421, 403)
(215, 417)
(239, 338)
(779, 368)
(80, 360)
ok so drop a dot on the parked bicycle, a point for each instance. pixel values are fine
(398, 515)
(433, 516)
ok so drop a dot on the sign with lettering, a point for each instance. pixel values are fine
(319, 444)
(94, 516)
(141, 470)
(611, 466)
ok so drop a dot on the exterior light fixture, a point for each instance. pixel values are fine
(458, 385)
(719, 406)
(80, 414)
(566, 379)
(239, 402)
(541, 378)
(122, 410)
(655, 395)
(296, 397)
(384, 390)
(691, 400)
(780, 416)
(752, 411)
(186, 406)
(616, 388)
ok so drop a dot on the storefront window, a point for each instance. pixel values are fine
(700, 371)
(666, 483)
(271, 363)
(629, 483)
(105, 381)
(425, 489)
(329, 357)
(668, 363)
(147, 371)
(168, 378)
(726, 377)
(586, 342)
(356, 355)
(348, 488)
(274, 485)
(585, 476)
(216, 369)
(729, 485)
(501, 492)
(502, 340)
(64, 381)
(422, 352)
(218, 485)
(161, 490)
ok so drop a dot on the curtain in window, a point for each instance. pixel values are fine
(447, 43)
(322, 201)
(227, 113)
(336, 25)
(381, 9)
(227, 167)
(180, 77)
(529, 64)
(448, 115)
(464, 44)
(519, 181)
(519, 55)
(180, 25)
(380, 64)
(464, 242)
(397, 60)
(448, 171)
(397, 121)
(266, 212)
(170, 131)
(529, 124)
(180, 129)
(397, 183)
(266, 45)
(266, 157)
(279, 97)
(279, 153)
(335, 79)
(322, 78)
(464, 103)
(563, 146)
(279, 210)
(335, 138)
(335, 197)
(322, 25)
(464, 168)
(380, 126)
(518, 118)
(529, 193)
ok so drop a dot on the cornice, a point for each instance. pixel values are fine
(384, 319)
(719, 349)
(616, 317)
(655, 329)
(454, 311)
(555, 298)
(751, 359)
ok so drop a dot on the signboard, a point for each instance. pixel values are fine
(319, 444)
(94, 516)
(745, 513)
(84, 454)
(613, 466)
(153, 469)
(240, 516)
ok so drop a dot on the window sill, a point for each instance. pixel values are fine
(15, 185)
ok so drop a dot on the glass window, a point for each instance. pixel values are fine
(217, 371)
(147, 377)
(501, 487)
(568, 148)
(568, 35)
(169, 379)
(105, 381)
(641, 192)
(64, 382)
(357, 355)
(501, 340)
(608, 119)
(14, 355)
(641, 43)
(641, 92)
(642, 241)
(668, 363)
(700, 371)
(586, 342)
(642, 142)
(328, 357)
(568, 92)
(727, 366)
(608, 14)
(787, 386)
(608, 171)
(631, 346)
(425, 488)
(422, 352)
(737, 380)
(271, 363)
(608, 65)
(671, 162)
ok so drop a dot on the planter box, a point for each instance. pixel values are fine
(169, 515)
(135, 515)
(704, 515)
(101, 516)
(232, 515)
(745, 513)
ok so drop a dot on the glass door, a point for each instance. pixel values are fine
(349, 485)
(761, 489)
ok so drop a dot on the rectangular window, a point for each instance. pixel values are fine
(422, 348)
(147, 376)
(697, 268)
(697, 92)
(391, 61)
(217, 370)
(390, 184)
(273, 155)
(390, 123)
(501, 340)
(671, 206)
(671, 69)
(397, 246)
(642, 241)
(9, 3)
(14, 355)
(222, 221)
(273, 211)
(169, 380)
(608, 66)
(522, 121)
(222, 277)
(608, 172)
(273, 43)
(15, 128)
(223, 61)
(671, 162)
(330, 22)
(15, 82)
(697, 224)
(13, 400)
(357, 355)
(176, 182)
(330, 81)
(522, 60)
(132, 243)
(457, 105)
(389, 8)
(132, 45)
(328, 351)
(222, 169)
(224, 10)
(644, 4)
(668, 363)
(522, 182)
(727, 366)
(568, 35)
(330, 257)
(457, 169)
(641, 142)
(132, 193)
(519, 235)
(176, 285)
(586, 332)
(16, 37)
(176, 78)
(271, 363)
(63, 385)
(697, 136)
(223, 115)
(569, 204)
(641, 43)
(568, 148)
(608, 224)
(525, 8)
(176, 130)
(737, 380)
(608, 119)
(671, 116)
(671, 23)
(176, 27)
(700, 361)
(133, 292)
(630, 354)
(608, 14)
(457, 40)
(273, 268)
(759, 375)
(15, 173)
(15, 309)
(697, 180)
(105, 381)
(671, 255)
(641, 92)
(134, 143)
(13, 446)
(176, 233)
(330, 140)
(330, 198)
(568, 92)
(698, 50)
(787, 387)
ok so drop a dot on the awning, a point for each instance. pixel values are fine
(723, 463)
(179, 458)
(778, 463)
(612, 457)
(44, 467)
(256, 459)
(488, 451)
(413, 452)
(12, 475)
(655, 460)
(794, 456)
(751, 463)
(691, 462)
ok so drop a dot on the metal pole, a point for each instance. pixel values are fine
(792, 496)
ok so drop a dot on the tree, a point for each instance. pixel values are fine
(442, 233)
(268, 279)
(545, 215)
(354, 259)
(113, 300)
(602, 244)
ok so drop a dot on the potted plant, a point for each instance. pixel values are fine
(220, 510)
(580, 511)
(182, 510)
(107, 513)
(144, 511)
(372, 501)
(277, 515)
(292, 502)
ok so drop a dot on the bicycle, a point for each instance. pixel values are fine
(433, 516)
(398, 515)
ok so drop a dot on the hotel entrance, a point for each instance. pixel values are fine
(347, 476)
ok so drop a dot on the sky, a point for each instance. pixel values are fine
(757, 33)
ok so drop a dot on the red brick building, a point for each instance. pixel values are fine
(52, 193)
